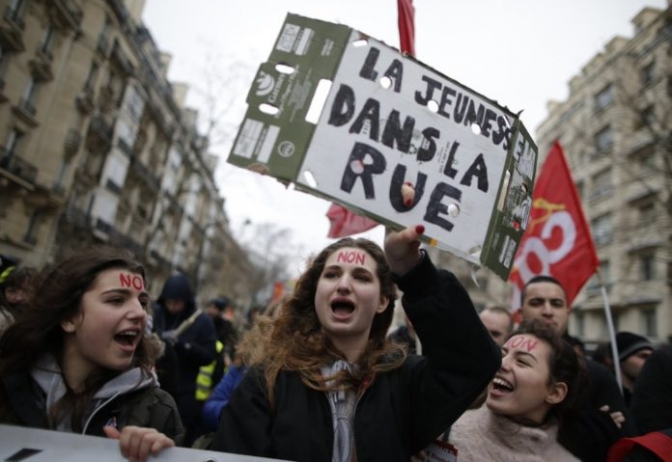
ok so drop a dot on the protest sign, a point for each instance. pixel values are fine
(343, 116)
(33, 445)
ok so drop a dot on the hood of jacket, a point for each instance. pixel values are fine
(177, 287)
(47, 374)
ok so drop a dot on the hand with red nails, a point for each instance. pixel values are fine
(402, 249)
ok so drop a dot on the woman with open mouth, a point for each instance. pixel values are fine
(528, 414)
(78, 359)
(330, 386)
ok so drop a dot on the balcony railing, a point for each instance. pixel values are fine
(70, 14)
(101, 131)
(125, 147)
(102, 46)
(13, 16)
(102, 225)
(40, 66)
(17, 166)
(142, 171)
(11, 31)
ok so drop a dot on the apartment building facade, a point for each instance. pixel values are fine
(615, 130)
(97, 146)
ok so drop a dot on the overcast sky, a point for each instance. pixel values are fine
(520, 53)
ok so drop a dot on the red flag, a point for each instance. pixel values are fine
(343, 222)
(406, 26)
(557, 241)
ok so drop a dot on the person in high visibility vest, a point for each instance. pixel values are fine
(209, 375)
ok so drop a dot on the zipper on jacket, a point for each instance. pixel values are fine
(366, 383)
(95, 411)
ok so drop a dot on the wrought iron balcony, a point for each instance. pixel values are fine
(11, 30)
(145, 174)
(26, 111)
(40, 66)
(84, 100)
(17, 166)
(73, 141)
(68, 13)
(102, 225)
(100, 134)
(103, 46)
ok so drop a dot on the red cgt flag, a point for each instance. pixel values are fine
(343, 222)
(557, 241)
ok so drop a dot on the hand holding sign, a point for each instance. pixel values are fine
(402, 249)
(137, 443)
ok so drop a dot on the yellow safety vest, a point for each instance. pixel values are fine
(204, 383)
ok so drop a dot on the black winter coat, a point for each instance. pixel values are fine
(20, 399)
(400, 412)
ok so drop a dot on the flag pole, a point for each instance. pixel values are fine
(612, 334)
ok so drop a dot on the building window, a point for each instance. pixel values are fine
(647, 267)
(602, 229)
(605, 270)
(604, 139)
(648, 73)
(28, 96)
(580, 323)
(649, 322)
(45, 43)
(3, 61)
(647, 118)
(647, 164)
(602, 184)
(579, 189)
(647, 213)
(15, 10)
(12, 143)
(604, 97)
(30, 237)
(91, 78)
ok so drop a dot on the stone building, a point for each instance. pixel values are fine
(615, 130)
(97, 145)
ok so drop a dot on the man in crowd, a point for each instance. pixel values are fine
(633, 351)
(192, 335)
(604, 417)
(498, 321)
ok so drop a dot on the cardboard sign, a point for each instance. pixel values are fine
(32, 445)
(346, 117)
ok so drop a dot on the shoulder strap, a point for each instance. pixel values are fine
(657, 442)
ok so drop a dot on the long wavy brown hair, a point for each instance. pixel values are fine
(294, 341)
(57, 296)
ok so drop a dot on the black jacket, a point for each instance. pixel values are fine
(196, 346)
(652, 398)
(22, 403)
(400, 412)
(594, 431)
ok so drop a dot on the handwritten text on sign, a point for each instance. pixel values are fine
(419, 130)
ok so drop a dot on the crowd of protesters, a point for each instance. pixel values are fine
(320, 375)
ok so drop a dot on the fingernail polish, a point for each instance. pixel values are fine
(408, 202)
(420, 229)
